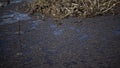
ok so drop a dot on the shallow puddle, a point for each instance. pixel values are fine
(117, 29)
(4, 46)
(16, 1)
(14, 17)
(58, 32)
(84, 37)
(53, 26)
(117, 32)
(72, 28)
(49, 51)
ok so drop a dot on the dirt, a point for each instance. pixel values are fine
(67, 43)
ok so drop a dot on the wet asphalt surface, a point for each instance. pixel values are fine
(73, 43)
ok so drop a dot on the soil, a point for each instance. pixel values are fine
(33, 42)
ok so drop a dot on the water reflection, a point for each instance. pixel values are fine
(72, 28)
(50, 51)
(14, 17)
(16, 1)
(78, 30)
(1, 34)
(53, 26)
(33, 26)
(84, 37)
(4, 46)
(117, 31)
(58, 32)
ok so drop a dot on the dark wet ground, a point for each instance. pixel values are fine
(75, 43)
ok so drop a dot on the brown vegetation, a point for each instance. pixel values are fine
(77, 8)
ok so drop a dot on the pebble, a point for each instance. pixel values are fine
(19, 32)
(19, 54)
(1, 4)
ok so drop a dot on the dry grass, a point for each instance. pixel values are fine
(77, 8)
